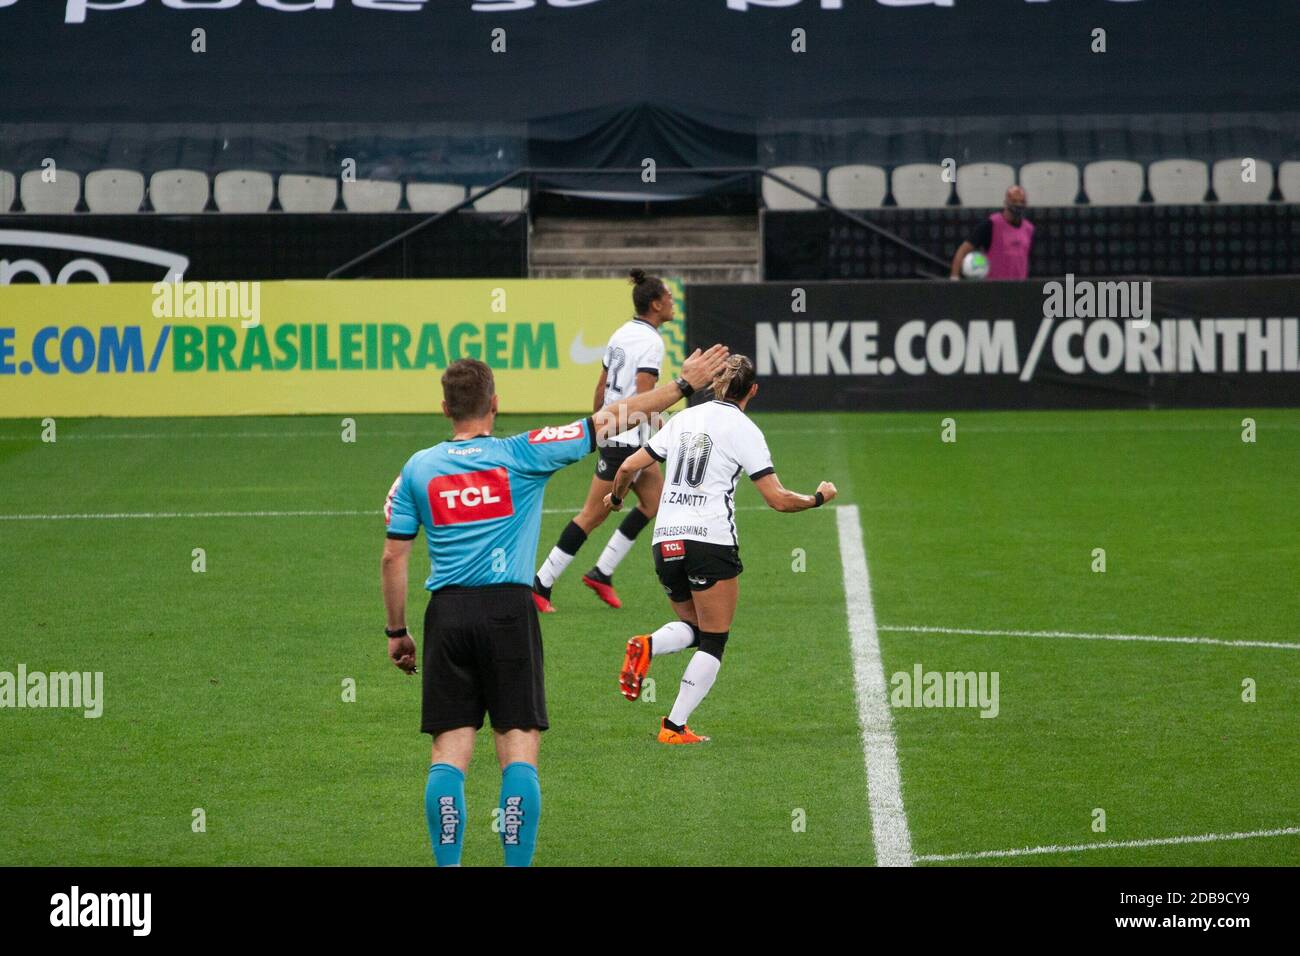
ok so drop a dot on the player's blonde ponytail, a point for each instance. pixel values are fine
(733, 382)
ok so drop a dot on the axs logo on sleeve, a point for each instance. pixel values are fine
(555, 433)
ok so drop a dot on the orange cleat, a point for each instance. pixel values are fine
(636, 664)
(604, 590)
(687, 736)
(543, 605)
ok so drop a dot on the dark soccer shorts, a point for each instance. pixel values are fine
(483, 654)
(684, 565)
(610, 457)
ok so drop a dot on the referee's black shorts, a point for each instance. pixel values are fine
(483, 654)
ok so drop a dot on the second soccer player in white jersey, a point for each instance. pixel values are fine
(696, 549)
(631, 364)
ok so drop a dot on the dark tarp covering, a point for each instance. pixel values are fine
(610, 82)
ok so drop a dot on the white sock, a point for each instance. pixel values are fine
(671, 638)
(617, 549)
(699, 677)
(553, 566)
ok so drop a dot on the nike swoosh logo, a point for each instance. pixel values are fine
(581, 354)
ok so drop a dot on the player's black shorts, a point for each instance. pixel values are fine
(610, 457)
(483, 653)
(684, 565)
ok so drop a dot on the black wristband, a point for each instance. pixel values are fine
(615, 500)
(396, 632)
(821, 499)
(686, 387)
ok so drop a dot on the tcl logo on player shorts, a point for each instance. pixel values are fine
(555, 433)
(472, 496)
(672, 550)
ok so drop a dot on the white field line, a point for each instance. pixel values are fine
(889, 830)
(1108, 845)
(1078, 635)
(863, 429)
(163, 515)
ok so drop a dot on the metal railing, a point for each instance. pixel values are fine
(530, 172)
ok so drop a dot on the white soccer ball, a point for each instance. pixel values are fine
(975, 265)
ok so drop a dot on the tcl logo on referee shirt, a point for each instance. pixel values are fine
(472, 496)
(555, 433)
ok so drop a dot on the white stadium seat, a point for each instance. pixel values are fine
(920, 186)
(54, 198)
(114, 191)
(243, 190)
(371, 195)
(1230, 188)
(776, 196)
(8, 189)
(856, 187)
(1178, 182)
(1113, 182)
(308, 193)
(1288, 180)
(984, 185)
(1050, 183)
(505, 199)
(178, 191)
(433, 197)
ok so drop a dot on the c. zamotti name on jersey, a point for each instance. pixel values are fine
(685, 498)
(704, 449)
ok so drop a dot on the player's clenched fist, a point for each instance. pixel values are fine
(827, 490)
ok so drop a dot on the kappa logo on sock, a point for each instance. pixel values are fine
(512, 820)
(450, 817)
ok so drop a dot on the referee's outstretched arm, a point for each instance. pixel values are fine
(698, 370)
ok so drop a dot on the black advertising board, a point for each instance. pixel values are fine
(1067, 342)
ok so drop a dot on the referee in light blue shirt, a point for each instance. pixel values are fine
(479, 500)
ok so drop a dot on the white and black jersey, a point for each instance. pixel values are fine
(634, 347)
(704, 449)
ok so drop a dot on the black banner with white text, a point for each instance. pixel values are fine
(1069, 342)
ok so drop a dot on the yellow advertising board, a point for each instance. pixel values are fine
(271, 348)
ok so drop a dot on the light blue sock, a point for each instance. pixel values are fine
(444, 806)
(521, 810)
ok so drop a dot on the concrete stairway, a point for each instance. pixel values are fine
(694, 248)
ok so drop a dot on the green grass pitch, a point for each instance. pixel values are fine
(224, 689)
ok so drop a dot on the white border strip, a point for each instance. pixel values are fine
(889, 829)
(1078, 635)
(1109, 845)
(162, 515)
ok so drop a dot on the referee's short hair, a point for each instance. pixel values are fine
(467, 388)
